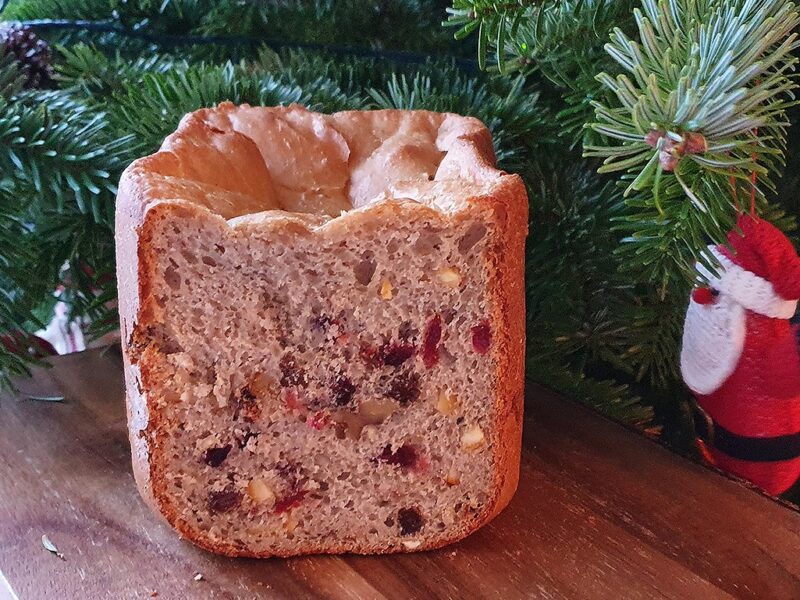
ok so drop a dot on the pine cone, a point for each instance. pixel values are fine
(31, 54)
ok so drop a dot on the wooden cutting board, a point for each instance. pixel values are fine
(601, 513)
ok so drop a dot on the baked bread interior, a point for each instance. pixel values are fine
(323, 330)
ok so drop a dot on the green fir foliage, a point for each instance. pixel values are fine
(681, 98)
(703, 73)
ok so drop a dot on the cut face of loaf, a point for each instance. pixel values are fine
(322, 323)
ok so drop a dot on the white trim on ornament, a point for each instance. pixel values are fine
(748, 289)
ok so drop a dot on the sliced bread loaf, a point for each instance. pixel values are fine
(323, 330)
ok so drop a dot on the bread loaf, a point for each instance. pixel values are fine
(323, 329)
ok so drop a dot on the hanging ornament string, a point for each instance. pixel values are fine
(753, 179)
(753, 182)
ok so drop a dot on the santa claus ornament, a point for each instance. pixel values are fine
(741, 358)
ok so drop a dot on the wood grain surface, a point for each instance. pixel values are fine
(601, 513)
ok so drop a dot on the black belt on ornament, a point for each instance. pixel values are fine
(755, 449)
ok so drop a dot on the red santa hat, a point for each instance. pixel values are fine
(762, 249)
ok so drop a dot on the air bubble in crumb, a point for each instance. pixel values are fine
(473, 235)
(364, 271)
(172, 278)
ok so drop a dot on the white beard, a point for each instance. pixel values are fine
(713, 338)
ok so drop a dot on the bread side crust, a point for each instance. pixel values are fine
(141, 208)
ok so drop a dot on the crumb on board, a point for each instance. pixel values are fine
(198, 577)
(51, 547)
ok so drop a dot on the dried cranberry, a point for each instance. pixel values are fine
(410, 521)
(482, 337)
(290, 501)
(224, 501)
(430, 343)
(291, 372)
(370, 355)
(395, 355)
(404, 387)
(291, 400)
(318, 421)
(405, 456)
(216, 456)
(342, 390)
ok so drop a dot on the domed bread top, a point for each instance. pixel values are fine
(239, 160)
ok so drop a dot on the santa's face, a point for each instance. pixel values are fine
(713, 337)
(714, 331)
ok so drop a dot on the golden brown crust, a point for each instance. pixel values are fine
(166, 186)
(510, 206)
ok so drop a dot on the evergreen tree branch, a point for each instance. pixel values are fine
(579, 306)
(407, 24)
(58, 167)
(614, 400)
(560, 39)
(700, 109)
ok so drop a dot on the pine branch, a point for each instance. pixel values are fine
(61, 154)
(16, 251)
(512, 35)
(84, 70)
(609, 398)
(58, 167)
(560, 39)
(656, 330)
(408, 24)
(702, 108)
(20, 10)
(579, 306)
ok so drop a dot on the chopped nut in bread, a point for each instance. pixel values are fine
(446, 402)
(472, 438)
(450, 277)
(260, 492)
